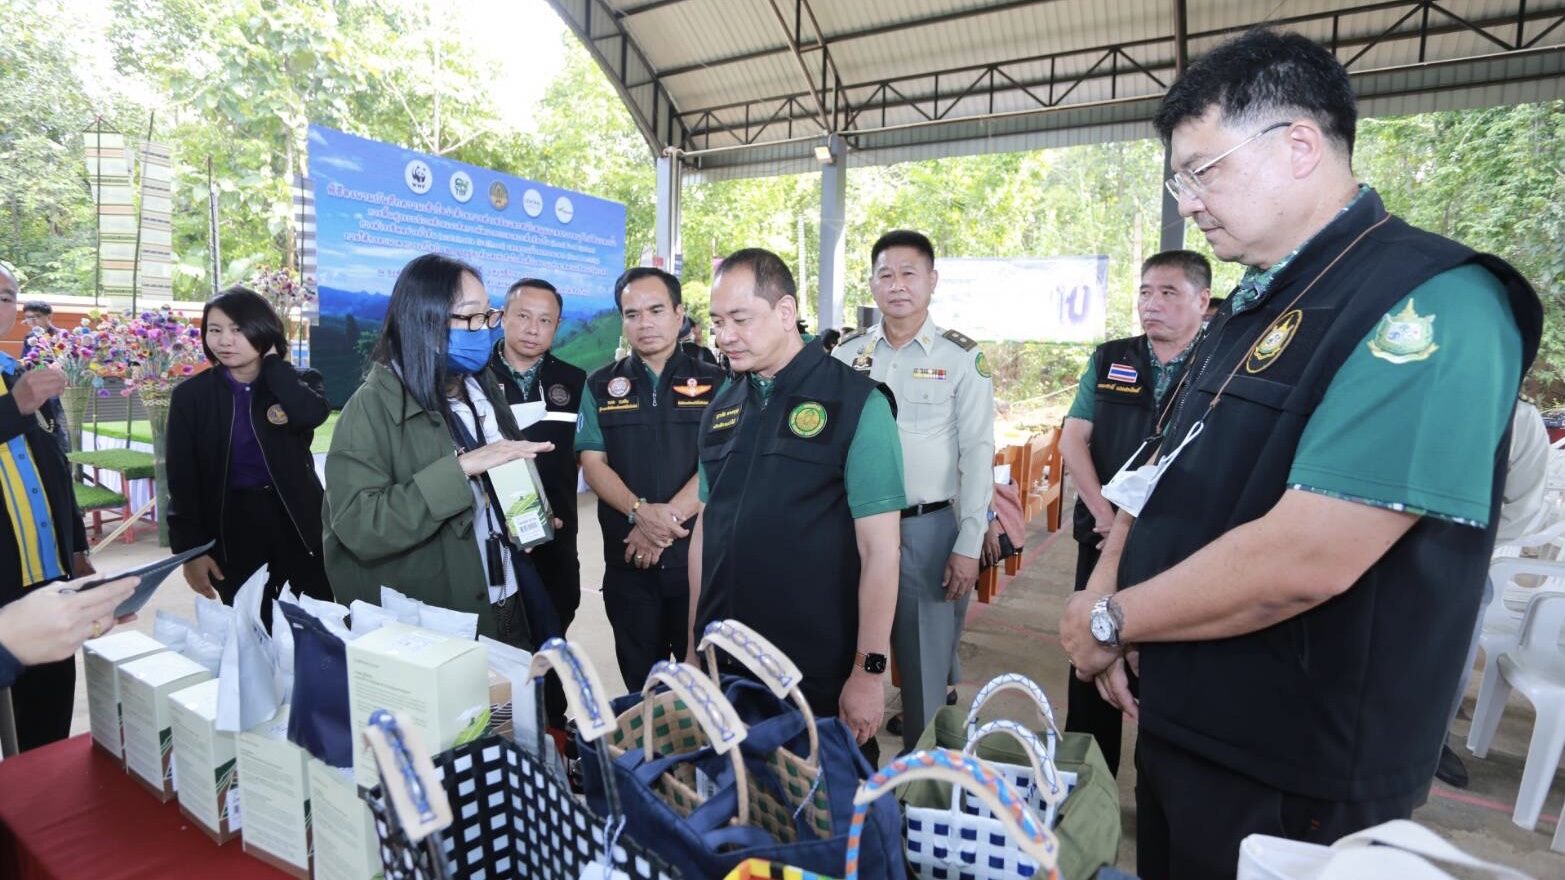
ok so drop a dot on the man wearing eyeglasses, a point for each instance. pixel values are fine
(1308, 554)
(1115, 410)
(636, 440)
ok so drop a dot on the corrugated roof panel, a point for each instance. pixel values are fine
(840, 17)
(761, 78)
(694, 31)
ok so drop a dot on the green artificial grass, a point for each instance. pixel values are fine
(132, 464)
(141, 432)
(90, 497)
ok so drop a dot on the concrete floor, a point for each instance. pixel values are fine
(1018, 633)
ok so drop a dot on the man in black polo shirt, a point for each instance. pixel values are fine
(1308, 554)
(801, 474)
(544, 393)
(1115, 409)
(637, 442)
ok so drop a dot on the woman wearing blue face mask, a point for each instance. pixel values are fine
(408, 504)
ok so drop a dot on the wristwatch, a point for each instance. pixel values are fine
(874, 664)
(1107, 621)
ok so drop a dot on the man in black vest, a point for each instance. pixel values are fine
(544, 393)
(1299, 573)
(801, 474)
(1115, 408)
(637, 441)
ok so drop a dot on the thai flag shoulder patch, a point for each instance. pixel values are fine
(1122, 373)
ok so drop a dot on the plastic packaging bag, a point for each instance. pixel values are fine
(214, 618)
(407, 610)
(246, 681)
(367, 618)
(319, 721)
(204, 649)
(171, 629)
(462, 624)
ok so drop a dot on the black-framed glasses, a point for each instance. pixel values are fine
(487, 319)
(1190, 184)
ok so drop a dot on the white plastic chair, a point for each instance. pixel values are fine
(1536, 668)
(1502, 618)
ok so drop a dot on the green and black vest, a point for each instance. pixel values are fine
(649, 436)
(779, 552)
(1349, 700)
(1124, 414)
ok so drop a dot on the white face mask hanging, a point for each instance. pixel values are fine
(1130, 488)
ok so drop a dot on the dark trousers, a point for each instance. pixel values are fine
(1085, 710)
(650, 613)
(256, 532)
(560, 569)
(1191, 814)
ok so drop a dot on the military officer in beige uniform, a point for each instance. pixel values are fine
(945, 414)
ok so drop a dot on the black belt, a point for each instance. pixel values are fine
(921, 509)
(267, 489)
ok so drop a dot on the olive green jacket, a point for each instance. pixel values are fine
(398, 509)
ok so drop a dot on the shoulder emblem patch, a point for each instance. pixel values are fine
(1404, 337)
(982, 363)
(275, 414)
(1273, 341)
(807, 419)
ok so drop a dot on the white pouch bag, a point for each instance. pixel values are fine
(247, 692)
(1400, 848)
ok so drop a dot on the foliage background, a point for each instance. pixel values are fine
(238, 81)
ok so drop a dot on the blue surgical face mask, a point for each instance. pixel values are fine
(466, 350)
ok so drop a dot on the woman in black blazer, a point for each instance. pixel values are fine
(239, 465)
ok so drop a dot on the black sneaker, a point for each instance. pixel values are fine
(1450, 770)
(951, 697)
(894, 724)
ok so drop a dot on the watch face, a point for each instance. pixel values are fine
(1102, 627)
(875, 664)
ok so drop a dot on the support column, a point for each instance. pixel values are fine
(831, 263)
(666, 225)
(1173, 225)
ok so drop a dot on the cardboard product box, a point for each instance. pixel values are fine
(346, 846)
(519, 488)
(206, 758)
(102, 658)
(500, 707)
(276, 800)
(440, 682)
(145, 686)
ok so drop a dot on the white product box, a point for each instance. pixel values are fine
(439, 682)
(276, 796)
(346, 847)
(102, 657)
(145, 685)
(206, 758)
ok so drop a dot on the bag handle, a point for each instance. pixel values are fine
(718, 720)
(1411, 837)
(1012, 681)
(769, 665)
(1036, 841)
(1046, 777)
(585, 697)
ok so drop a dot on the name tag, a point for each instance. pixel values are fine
(726, 419)
(622, 405)
(928, 373)
(1118, 388)
(683, 402)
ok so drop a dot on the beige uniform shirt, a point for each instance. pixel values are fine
(945, 414)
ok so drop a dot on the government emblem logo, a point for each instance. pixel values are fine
(807, 419)
(692, 388)
(619, 386)
(275, 414)
(1404, 337)
(863, 359)
(983, 365)
(559, 395)
(1273, 341)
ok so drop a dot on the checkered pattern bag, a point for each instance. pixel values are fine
(512, 814)
(1024, 839)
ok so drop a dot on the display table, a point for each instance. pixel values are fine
(69, 811)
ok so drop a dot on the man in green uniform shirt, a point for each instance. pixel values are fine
(1309, 552)
(801, 475)
(1115, 410)
(945, 414)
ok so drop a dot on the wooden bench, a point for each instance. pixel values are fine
(130, 464)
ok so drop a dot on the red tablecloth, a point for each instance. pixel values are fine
(69, 811)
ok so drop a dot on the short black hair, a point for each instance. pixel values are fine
(37, 307)
(1262, 76)
(636, 273)
(918, 241)
(539, 284)
(773, 280)
(1196, 268)
(255, 317)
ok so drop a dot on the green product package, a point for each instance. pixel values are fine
(1088, 826)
